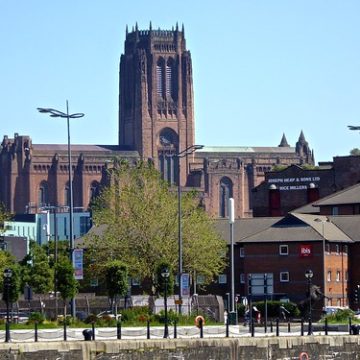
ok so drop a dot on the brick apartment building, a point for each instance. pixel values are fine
(283, 248)
(156, 122)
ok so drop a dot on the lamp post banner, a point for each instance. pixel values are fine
(78, 263)
(185, 285)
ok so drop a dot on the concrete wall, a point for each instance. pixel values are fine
(270, 348)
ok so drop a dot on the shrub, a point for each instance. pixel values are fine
(340, 315)
(36, 317)
(69, 320)
(172, 317)
(91, 318)
(135, 314)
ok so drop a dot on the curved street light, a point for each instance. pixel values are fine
(188, 151)
(165, 274)
(309, 275)
(7, 285)
(67, 116)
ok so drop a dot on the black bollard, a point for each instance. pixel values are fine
(350, 332)
(148, 329)
(289, 327)
(201, 328)
(36, 331)
(271, 326)
(93, 330)
(118, 329)
(227, 327)
(302, 327)
(326, 326)
(65, 335)
(252, 328)
(175, 329)
(277, 327)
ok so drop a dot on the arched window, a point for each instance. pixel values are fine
(226, 192)
(67, 195)
(168, 161)
(43, 194)
(170, 78)
(94, 190)
(160, 77)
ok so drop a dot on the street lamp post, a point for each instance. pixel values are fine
(7, 285)
(309, 275)
(165, 274)
(57, 113)
(189, 150)
(323, 221)
(231, 211)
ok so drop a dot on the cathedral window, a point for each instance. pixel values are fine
(160, 77)
(94, 190)
(168, 160)
(43, 194)
(67, 195)
(226, 192)
(170, 78)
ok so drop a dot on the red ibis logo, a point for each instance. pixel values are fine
(305, 250)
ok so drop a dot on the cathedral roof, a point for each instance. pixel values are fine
(106, 149)
(246, 149)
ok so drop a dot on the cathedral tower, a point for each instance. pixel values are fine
(156, 106)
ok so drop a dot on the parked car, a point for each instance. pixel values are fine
(108, 313)
(329, 310)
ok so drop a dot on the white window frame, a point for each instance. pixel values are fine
(338, 276)
(284, 276)
(242, 278)
(328, 276)
(242, 252)
(222, 279)
(337, 249)
(283, 247)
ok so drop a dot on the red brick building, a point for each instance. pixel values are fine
(156, 122)
(283, 248)
(293, 187)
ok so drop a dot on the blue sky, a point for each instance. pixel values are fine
(261, 68)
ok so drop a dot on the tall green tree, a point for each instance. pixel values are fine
(116, 279)
(36, 270)
(66, 283)
(138, 215)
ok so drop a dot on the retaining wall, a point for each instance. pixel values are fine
(267, 348)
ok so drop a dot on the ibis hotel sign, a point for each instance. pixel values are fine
(293, 183)
(305, 250)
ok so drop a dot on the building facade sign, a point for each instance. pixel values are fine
(306, 251)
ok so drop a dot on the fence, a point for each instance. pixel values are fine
(156, 332)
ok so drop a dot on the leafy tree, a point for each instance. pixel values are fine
(61, 247)
(4, 216)
(116, 279)
(66, 283)
(36, 270)
(160, 281)
(138, 217)
(355, 151)
(14, 285)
